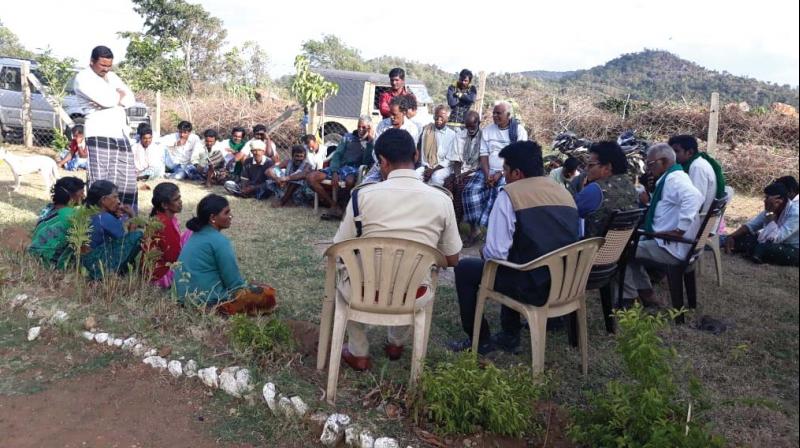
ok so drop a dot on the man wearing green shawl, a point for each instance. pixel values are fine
(674, 211)
(705, 172)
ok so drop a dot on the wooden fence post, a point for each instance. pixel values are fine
(27, 118)
(157, 125)
(481, 91)
(713, 124)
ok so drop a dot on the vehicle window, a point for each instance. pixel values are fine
(9, 79)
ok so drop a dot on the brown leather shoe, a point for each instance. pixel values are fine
(357, 363)
(393, 352)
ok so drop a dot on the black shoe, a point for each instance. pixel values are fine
(507, 342)
(462, 345)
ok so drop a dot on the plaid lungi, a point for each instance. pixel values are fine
(344, 171)
(456, 186)
(478, 199)
(111, 159)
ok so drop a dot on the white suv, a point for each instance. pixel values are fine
(43, 115)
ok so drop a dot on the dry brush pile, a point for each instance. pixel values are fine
(754, 147)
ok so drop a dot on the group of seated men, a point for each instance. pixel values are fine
(534, 214)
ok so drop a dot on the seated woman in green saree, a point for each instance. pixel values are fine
(49, 240)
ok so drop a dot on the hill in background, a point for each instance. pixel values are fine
(660, 75)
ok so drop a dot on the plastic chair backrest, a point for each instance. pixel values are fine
(569, 269)
(707, 228)
(385, 273)
(618, 233)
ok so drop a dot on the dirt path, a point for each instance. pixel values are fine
(121, 406)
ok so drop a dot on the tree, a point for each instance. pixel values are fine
(153, 64)
(310, 88)
(246, 65)
(10, 45)
(199, 34)
(331, 52)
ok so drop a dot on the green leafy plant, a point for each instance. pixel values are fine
(462, 396)
(259, 337)
(646, 409)
(78, 239)
(59, 141)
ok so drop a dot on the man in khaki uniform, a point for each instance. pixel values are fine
(401, 206)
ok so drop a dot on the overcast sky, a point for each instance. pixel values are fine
(756, 39)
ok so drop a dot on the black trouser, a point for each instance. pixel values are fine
(468, 280)
(771, 253)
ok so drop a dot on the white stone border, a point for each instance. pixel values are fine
(233, 380)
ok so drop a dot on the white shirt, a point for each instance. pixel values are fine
(493, 140)
(99, 101)
(315, 159)
(447, 147)
(183, 154)
(702, 175)
(420, 121)
(407, 126)
(200, 157)
(150, 157)
(678, 209)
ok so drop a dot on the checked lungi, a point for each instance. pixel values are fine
(111, 159)
(478, 199)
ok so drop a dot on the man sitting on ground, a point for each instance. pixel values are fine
(564, 174)
(438, 149)
(234, 151)
(608, 188)
(674, 212)
(148, 156)
(791, 185)
(76, 156)
(254, 177)
(214, 167)
(354, 150)
(481, 190)
(703, 170)
(532, 216)
(772, 236)
(260, 134)
(287, 180)
(183, 150)
(399, 207)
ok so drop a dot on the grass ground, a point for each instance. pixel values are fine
(750, 372)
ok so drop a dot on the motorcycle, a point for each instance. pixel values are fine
(568, 145)
(635, 150)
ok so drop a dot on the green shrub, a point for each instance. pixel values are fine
(645, 410)
(463, 396)
(60, 141)
(259, 337)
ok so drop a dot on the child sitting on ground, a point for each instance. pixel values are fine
(287, 180)
(77, 155)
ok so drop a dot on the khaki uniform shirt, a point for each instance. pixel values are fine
(402, 206)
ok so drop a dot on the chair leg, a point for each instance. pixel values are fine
(325, 324)
(428, 319)
(605, 301)
(690, 284)
(316, 201)
(675, 278)
(476, 328)
(537, 320)
(418, 352)
(717, 260)
(339, 327)
(571, 323)
(583, 337)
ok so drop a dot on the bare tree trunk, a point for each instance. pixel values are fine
(713, 124)
(187, 63)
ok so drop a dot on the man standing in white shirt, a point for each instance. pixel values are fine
(438, 149)
(674, 212)
(103, 97)
(704, 171)
(481, 190)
